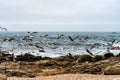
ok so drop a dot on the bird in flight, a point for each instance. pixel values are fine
(90, 53)
(60, 36)
(5, 29)
(72, 39)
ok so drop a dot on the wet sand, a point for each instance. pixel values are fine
(72, 77)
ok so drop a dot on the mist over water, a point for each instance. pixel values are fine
(53, 46)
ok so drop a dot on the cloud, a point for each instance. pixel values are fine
(60, 12)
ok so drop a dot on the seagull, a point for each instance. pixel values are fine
(93, 46)
(32, 34)
(44, 37)
(27, 39)
(90, 53)
(118, 41)
(5, 39)
(72, 39)
(37, 46)
(108, 50)
(13, 39)
(5, 29)
(60, 36)
(84, 39)
(52, 45)
(113, 42)
(70, 55)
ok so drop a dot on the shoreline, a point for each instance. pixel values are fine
(71, 77)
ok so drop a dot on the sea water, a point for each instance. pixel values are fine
(54, 47)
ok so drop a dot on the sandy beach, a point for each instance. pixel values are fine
(72, 77)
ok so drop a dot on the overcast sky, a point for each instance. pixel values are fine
(60, 15)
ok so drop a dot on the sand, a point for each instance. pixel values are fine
(72, 77)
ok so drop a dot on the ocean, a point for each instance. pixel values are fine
(54, 44)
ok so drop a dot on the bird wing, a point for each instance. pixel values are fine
(91, 54)
(76, 37)
(70, 38)
(3, 29)
(113, 41)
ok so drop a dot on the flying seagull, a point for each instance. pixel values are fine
(5, 29)
(90, 53)
(60, 36)
(84, 39)
(113, 42)
(72, 39)
(32, 34)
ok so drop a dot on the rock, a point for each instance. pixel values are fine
(19, 74)
(49, 63)
(112, 70)
(108, 55)
(27, 57)
(3, 77)
(118, 55)
(96, 70)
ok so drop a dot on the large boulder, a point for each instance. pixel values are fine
(113, 70)
(27, 57)
(108, 55)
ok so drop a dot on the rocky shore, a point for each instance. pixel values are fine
(27, 65)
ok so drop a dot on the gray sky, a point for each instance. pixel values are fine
(60, 15)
